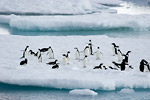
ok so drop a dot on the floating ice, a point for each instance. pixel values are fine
(83, 92)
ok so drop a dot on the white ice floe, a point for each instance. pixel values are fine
(73, 76)
(83, 92)
(104, 21)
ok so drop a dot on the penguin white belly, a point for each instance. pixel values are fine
(87, 51)
(51, 55)
(84, 63)
(77, 55)
(98, 54)
(113, 49)
(40, 59)
(119, 56)
(145, 69)
(64, 60)
(68, 59)
(26, 54)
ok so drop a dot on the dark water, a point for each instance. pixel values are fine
(15, 92)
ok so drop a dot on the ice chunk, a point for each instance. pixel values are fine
(83, 92)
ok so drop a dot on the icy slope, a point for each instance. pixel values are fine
(73, 75)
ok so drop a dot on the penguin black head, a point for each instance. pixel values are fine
(101, 64)
(97, 47)
(114, 45)
(75, 48)
(68, 52)
(128, 52)
(49, 46)
(89, 40)
(87, 47)
(27, 46)
(64, 55)
(56, 60)
(85, 56)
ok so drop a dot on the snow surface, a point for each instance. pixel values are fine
(83, 92)
(73, 76)
(79, 22)
(54, 6)
(127, 90)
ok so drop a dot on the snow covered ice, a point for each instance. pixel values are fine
(82, 92)
(73, 76)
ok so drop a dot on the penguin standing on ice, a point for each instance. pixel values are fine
(51, 53)
(114, 49)
(85, 62)
(39, 56)
(90, 47)
(77, 54)
(86, 51)
(126, 56)
(68, 57)
(24, 62)
(120, 55)
(64, 59)
(25, 52)
(98, 53)
(144, 64)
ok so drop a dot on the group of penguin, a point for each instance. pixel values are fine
(88, 51)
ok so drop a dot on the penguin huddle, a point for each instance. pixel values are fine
(123, 58)
(49, 51)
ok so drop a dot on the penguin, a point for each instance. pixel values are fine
(113, 68)
(86, 51)
(25, 52)
(144, 63)
(50, 52)
(44, 49)
(122, 65)
(24, 62)
(119, 55)
(64, 59)
(52, 63)
(32, 53)
(55, 66)
(114, 48)
(98, 67)
(77, 54)
(85, 62)
(98, 53)
(39, 56)
(90, 47)
(126, 56)
(68, 57)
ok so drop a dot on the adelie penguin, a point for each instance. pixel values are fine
(50, 52)
(122, 66)
(114, 49)
(24, 62)
(98, 53)
(85, 62)
(39, 56)
(77, 54)
(52, 63)
(43, 50)
(144, 66)
(32, 53)
(55, 66)
(98, 67)
(68, 57)
(120, 55)
(126, 56)
(64, 59)
(90, 47)
(86, 51)
(25, 52)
